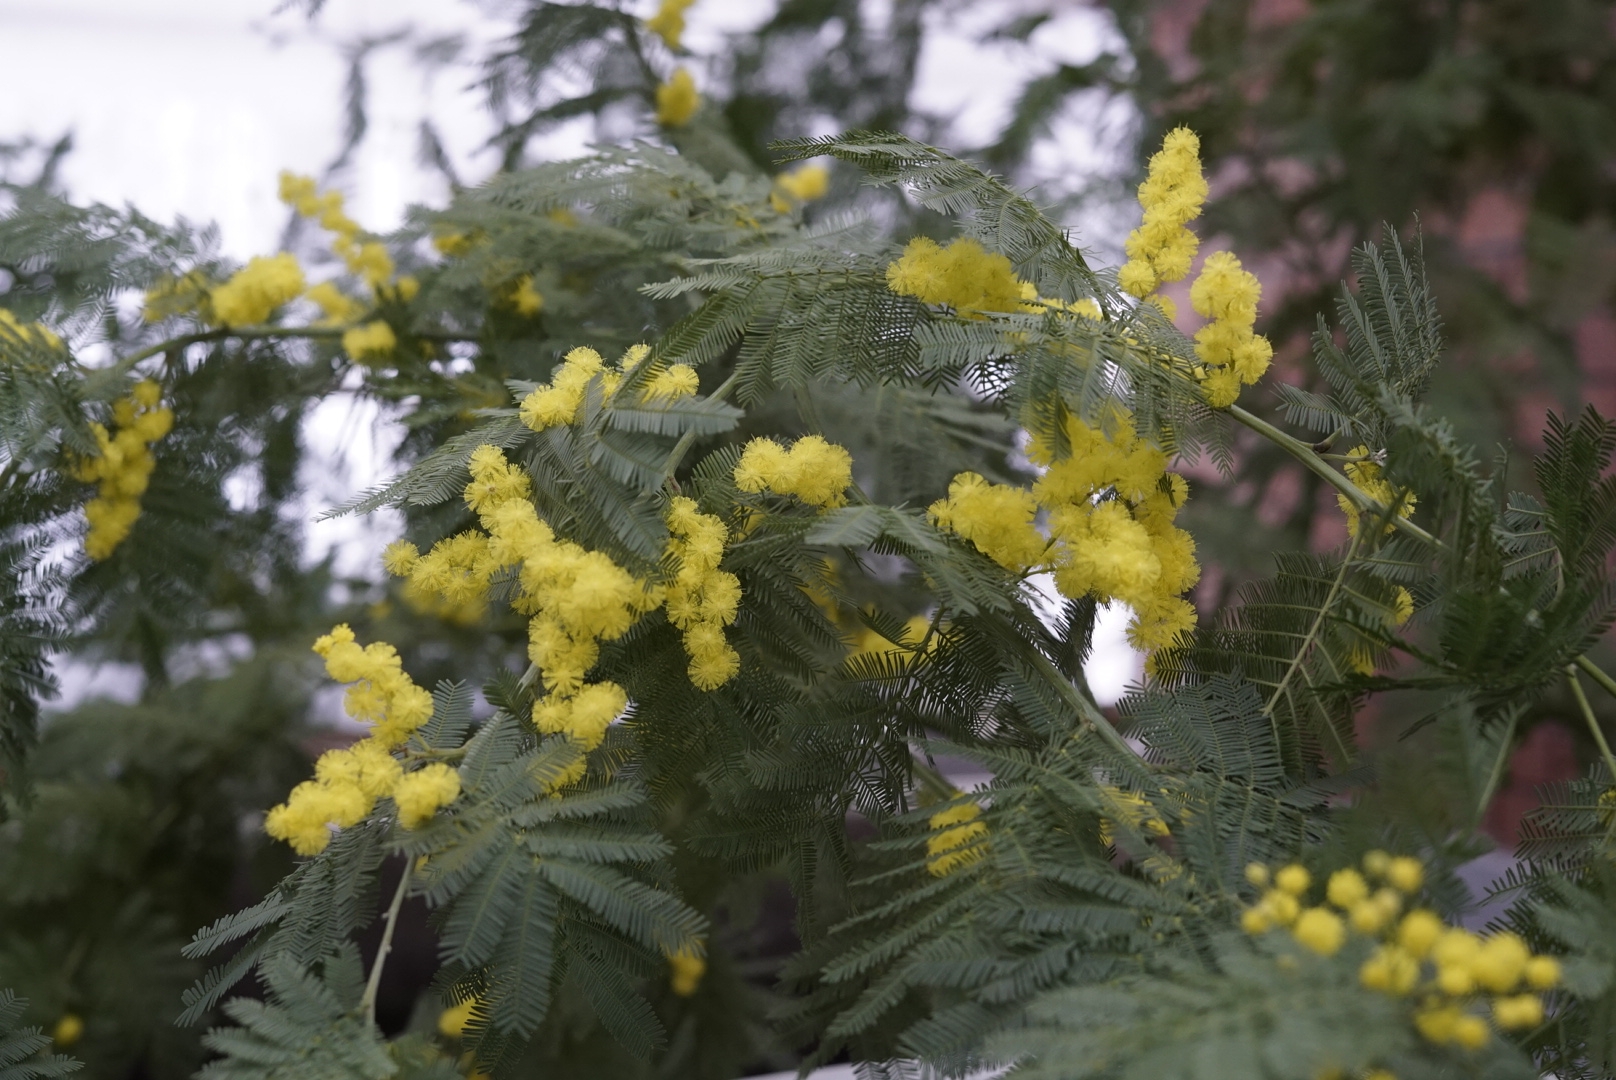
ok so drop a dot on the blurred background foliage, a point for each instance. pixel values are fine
(1488, 124)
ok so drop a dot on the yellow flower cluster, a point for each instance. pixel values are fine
(26, 333)
(1130, 807)
(685, 970)
(348, 782)
(957, 838)
(576, 598)
(997, 518)
(122, 467)
(527, 300)
(1111, 505)
(1448, 969)
(815, 471)
(1161, 249)
(701, 598)
(367, 258)
(963, 275)
(561, 400)
(369, 342)
(1232, 352)
(803, 185)
(1365, 473)
(337, 308)
(68, 1030)
(677, 99)
(257, 289)
(669, 21)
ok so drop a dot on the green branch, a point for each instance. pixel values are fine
(1588, 711)
(368, 1002)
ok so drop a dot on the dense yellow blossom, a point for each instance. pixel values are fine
(381, 693)
(560, 401)
(677, 99)
(963, 275)
(370, 342)
(527, 300)
(422, 793)
(1454, 977)
(956, 840)
(1130, 807)
(702, 599)
(669, 21)
(802, 185)
(68, 1031)
(1232, 353)
(254, 292)
(453, 1020)
(369, 259)
(997, 518)
(685, 970)
(337, 308)
(122, 467)
(348, 782)
(1161, 249)
(1365, 473)
(452, 243)
(815, 471)
(1320, 930)
(672, 383)
(1110, 507)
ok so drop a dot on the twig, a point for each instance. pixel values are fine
(1593, 721)
(368, 1002)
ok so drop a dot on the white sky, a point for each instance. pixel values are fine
(192, 107)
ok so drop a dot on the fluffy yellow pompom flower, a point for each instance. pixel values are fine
(1293, 879)
(815, 471)
(963, 275)
(1162, 248)
(558, 401)
(68, 1030)
(527, 300)
(1346, 889)
(701, 599)
(806, 184)
(370, 342)
(1390, 970)
(996, 518)
(1542, 972)
(337, 307)
(381, 693)
(956, 838)
(685, 970)
(1320, 930)
(453, 1020)
(1419, 931)
(1518, 1013)
(1233, 354)
(254, 292)
(422, 793)
(669, 21)
(677, 99)
(672, 383)
(1366, 474)
(122, 467)
(1405, 873)
(494, 482)
(583, 717)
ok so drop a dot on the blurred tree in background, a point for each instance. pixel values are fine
(1486, 124)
